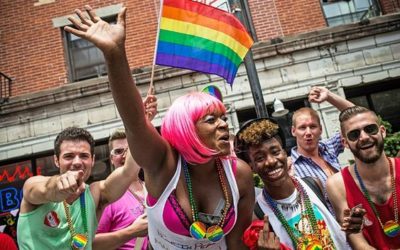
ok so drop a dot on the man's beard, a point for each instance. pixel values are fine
(369, 158)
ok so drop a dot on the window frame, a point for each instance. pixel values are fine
(107, 13)
(69, 55)
(367, 91)
(354, 14)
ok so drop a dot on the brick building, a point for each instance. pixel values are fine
(51, 80)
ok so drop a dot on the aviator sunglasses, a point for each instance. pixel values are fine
(371, 129)
(118, 151)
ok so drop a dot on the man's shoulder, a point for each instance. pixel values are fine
(242, 169)
(335, 181)
(94, 188)
(34, 179)
(336, 177)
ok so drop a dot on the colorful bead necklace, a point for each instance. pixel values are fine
(290, 206)
(137, 197)
(198, 229)
(390, 228)
(312, 240)
(78, 241)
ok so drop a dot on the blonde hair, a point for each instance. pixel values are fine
(118, 134)
(308, 111)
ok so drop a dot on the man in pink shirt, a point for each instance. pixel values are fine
(123, 224)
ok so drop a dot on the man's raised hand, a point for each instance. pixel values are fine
(70, 185)
(318, 94)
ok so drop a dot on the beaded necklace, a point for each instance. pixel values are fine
(390, 228)
(137, 197)
(310, 240)
(198, 229)
(78, 241)
(285, 206)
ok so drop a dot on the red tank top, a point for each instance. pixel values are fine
(373, 231)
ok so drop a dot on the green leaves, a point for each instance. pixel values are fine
(392, 140)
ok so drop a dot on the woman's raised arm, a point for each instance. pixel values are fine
(148, 148)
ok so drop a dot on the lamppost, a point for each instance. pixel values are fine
(279, 109)
(256, 91)
(281, 114)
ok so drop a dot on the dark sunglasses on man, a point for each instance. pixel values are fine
(371, 129)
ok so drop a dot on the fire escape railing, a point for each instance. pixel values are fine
(5, 88)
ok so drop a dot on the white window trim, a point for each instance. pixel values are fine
(101, 12)
(41, 2)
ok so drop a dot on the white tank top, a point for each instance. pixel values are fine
(162, 238)
(292, 216)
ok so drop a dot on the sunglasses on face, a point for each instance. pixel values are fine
(118, 151)
(371, 129)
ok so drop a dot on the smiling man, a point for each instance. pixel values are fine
(373, 182)
(297, 218)
(312, 156)
(59, 212)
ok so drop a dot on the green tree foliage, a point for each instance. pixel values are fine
(392, 140)
(392, 144)
(257, 181)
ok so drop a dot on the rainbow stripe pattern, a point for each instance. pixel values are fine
(214, 91)
(391, 228)
(198, 230)
(214, 233)
(79, 241)
(202, 38)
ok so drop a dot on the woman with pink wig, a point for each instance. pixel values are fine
(198, 196)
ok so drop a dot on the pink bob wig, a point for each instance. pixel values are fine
(179, 125)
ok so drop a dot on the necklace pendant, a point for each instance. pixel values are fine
(309, 242)
(79, 241)
(198, 230)
(214, 233)
(391, 228)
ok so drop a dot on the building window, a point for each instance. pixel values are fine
(45, 166)
(41, 2)
(221, 4)
(341, 12)
(102, 166)
(381, 98)
(85, 60)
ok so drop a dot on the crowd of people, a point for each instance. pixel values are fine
(197, 192)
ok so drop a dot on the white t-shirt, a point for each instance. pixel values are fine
(299, 223)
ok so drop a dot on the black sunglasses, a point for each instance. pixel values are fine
(371, 129)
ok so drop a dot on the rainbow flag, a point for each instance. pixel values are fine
(202, 38)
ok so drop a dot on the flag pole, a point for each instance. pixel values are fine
(151, 87)
(258, 98)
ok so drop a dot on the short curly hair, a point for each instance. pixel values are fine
(254, 132)
(73, 134)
